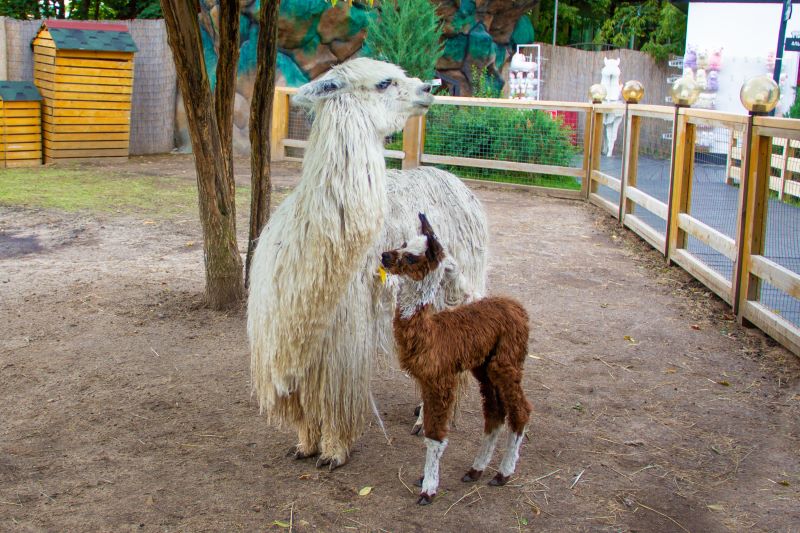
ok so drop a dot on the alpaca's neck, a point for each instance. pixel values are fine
(345, 151)
(415, 296)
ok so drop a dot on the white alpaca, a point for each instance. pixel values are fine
(314, 313)
(611, 121)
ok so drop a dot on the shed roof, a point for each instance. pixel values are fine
(79, 35)
(19, 91)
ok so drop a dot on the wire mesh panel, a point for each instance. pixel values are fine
(612, 134)
(652, 175)
(500, 143)
(714, 201)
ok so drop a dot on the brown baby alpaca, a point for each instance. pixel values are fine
(488, 337)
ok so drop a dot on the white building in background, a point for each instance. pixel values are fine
(746, 37)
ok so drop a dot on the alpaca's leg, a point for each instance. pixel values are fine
(419, 411)
(509, 462)
(430, 479)
(308, 437)
(493, 416)
(437, 410)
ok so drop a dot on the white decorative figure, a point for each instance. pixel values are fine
(524, 71)
(701, 79)
(611, 121)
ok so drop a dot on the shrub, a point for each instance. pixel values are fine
(408, 33)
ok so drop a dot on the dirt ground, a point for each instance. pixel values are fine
(125, 405)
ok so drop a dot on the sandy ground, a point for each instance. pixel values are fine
(125, 405)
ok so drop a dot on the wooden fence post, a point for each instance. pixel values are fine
(587, 152)
(753, 224)
(631, 154)
(413, 142)
(280, 124)
(681, 185)
(596, 150)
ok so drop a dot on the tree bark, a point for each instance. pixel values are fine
(260, 121)
(224, 287)
(225, 90)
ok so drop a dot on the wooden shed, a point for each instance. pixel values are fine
(20, 124)
(84, 71)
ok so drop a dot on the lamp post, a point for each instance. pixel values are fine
(597, 93)
(684, 92)
(632, 93)
(759, 95)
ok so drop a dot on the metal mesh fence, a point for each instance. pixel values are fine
(611, 159)
(713, 201)
(510, 135)
(782, 243)
(652, 167)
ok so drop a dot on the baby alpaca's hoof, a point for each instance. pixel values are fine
(417, 409)
(418, 483)
(331, 462)
(298, 454)
(472, 475)
(416, 429)
(499, 480)
(425, 499)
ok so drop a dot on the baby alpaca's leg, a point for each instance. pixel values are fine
(430, 479)
(509, 462)
(493, 416)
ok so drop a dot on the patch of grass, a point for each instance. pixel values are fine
(102, 191)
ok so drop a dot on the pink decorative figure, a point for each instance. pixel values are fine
(715, 61)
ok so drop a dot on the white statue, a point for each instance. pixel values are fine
(522, 77)
(611, 121)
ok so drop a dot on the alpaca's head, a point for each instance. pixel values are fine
(417, 258)
(382, 89)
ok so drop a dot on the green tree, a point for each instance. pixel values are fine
(408, 33)
(654, 26)
(33, 9)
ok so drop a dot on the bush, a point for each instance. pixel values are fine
(408, 33)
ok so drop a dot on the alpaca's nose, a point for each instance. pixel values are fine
(386, 258)
(426, 88)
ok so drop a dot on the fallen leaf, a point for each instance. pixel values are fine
(716, 507)
(578, 406)
(523, 521)
(630, 339)
(533, 356)
(695, 327)
(724, 383)
(783, 482)
(282, 524)
(305, 476)
(189, 243)
(366, 490)
(670, 370)
(149, 222)
(603, 306)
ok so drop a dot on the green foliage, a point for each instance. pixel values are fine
(500, 134)
(655, 27)
(81, 9)
(408, 33)
(794, 111)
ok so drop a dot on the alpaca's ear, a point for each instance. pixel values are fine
(318, 90)
(434, 252)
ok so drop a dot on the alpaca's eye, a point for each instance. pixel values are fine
(383, 85)
(404, 244)
(410, 259)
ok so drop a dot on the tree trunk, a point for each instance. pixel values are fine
(225, 90)
(224, 287)
(260, 121)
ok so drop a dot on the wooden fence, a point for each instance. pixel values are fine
(751, 269)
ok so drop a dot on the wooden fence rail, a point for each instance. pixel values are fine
(755, 166)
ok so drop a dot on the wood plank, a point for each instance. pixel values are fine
(91, 79)
(514, 103)
(18, 130)
(60, 137)
(24, 163)
(502, 165)
(709, 115)
(44, 51)
(599, 201)
(32, 114)
(646, 232)
(83, 145)
(88, 113)
(643, 199)
(708, 235)
(59, 154)
(21, 138)
(87, 121)
(96, 54)
(29, 154)
(50, 129)
(24, 104)
(44, 40)
(20, 146)
(111, 159)
(22, 121)
(94, 63)
(82, 88)
(41, 59)
(101, 72)
(773, 325)
(413, 135)
(49, 94)
(88, 104)
(706, 275)
(609, 181)
(777, 275)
